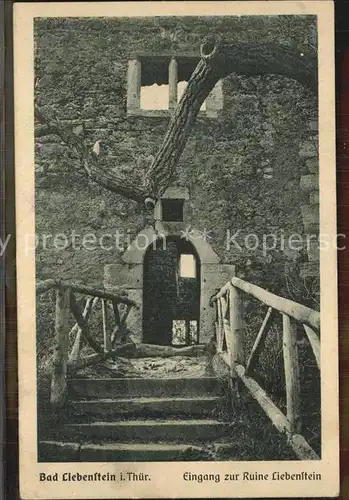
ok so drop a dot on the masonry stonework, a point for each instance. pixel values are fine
(246, 167)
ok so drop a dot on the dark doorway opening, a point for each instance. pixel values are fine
(171, 293)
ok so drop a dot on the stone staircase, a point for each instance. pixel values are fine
(139, 419)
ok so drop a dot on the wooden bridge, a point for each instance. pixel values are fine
(162, 418)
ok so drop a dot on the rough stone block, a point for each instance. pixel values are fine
(134, 320)
(311, 228)
(308, 149)
(268, 170)
(123, 274)
(135, 253)
(213, 277)
(176, 193)
(310, 214)
(310, 270)
(309, 182)
(214, 101)
(114, 111)
(313, 165)
(313, 251)
(313, 126)
(170, 228)
(314, 198)
(216, 275)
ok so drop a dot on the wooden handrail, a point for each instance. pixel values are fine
(60, 352)
(66, 303)
(299, 445)
(291, 368)
(89, 306)
(314, 342)
(230, 327)
(44, 286)
(103, 294)
(260, 340)
(85, 330)
(301, 313)
(223, 291)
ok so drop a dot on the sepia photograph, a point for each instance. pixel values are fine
(172, 226)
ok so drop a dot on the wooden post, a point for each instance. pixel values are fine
(187, 331)
(83, 324)
(260, 340)
(89, 306)
(297, 311)
(314, 342)
(173, 83)
(236, 342)
(125, 314)
(225, 322)
(220, 327)
(120, 324)
(216, 322)
(116, 313)
(291, 373)
(236, 328)
(224, 304)
(116, 331)
(300, 446)
(60, 354)
(106, 339)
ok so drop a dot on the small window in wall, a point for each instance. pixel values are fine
(187, 266)
(184, 332)
(156, 84)
(172, 210)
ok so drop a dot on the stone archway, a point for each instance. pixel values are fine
(171, 293)
(130, 274)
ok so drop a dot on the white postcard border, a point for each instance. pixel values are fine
(167, 477)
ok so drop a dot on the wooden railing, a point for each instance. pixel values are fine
(65, 363)
(229, 333)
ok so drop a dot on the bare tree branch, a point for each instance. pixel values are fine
(93, 166)
(261, 59)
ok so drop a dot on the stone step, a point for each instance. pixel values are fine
(144, 387)
(54, 451)
(58, 451)
(135, 452)
(201, 405)
(152, 431)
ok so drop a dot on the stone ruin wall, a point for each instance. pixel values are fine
(253, 168)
